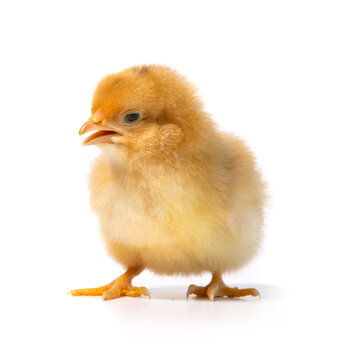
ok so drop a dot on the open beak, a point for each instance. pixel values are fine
(102, 134)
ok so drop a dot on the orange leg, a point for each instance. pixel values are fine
(217, 288)
(118, 288)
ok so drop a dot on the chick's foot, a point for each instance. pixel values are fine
(118, 288)
(217, 288)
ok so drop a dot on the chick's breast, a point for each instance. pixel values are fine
(200, 215)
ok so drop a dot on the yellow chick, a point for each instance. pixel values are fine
(173, 194)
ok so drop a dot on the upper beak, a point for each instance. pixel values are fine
(94, 123)
(88, 126)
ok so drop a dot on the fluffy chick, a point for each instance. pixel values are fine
(173, 193)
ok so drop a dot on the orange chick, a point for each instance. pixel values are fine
(173, 194)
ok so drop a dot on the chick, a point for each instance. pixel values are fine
(173, 194)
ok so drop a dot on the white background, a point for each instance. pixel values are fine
(283, 75)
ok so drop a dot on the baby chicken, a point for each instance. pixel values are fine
(173, 193)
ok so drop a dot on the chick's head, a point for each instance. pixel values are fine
(144, 112)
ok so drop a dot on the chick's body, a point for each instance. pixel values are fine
(173, 194)
(185, 218)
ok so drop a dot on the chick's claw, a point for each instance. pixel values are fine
(217, 288)
(118, 288)
(112, 291)
(212, 292)
(196, 290)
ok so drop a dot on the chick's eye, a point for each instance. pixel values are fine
(131, 118)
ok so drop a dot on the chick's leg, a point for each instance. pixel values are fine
(217, 288)
(119, 287)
